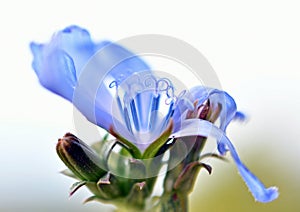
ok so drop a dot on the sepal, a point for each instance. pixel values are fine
(76, 186)
(69, 173)
(156, 145)
(138, 194)
(186, 180)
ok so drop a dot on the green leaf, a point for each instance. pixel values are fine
(155, 146)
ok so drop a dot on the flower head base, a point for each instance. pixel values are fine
(116, 90)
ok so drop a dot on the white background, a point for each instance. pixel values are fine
(254, 46)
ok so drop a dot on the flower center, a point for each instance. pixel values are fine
(146, 105)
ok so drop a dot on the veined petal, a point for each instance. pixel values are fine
(111, 64)
(103, 117)
(197, 127)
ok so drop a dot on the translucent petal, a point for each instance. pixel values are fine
(111, 63)
(200, 93)
(216, 97)
(194, 127)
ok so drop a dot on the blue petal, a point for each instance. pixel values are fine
(55, 70)
(240, 116)
(77, 42)
(59, 65)
(194, 127)
(118, 63)
(199, 93)
(112, 63)
(256, 187)
(222, 99)
(217, 97)
(105, 118)
(37, 51)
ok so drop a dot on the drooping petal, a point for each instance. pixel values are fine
(256, 187)
(197, 127)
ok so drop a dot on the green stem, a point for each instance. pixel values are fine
(176, 202)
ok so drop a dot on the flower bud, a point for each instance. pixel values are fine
(80, 158)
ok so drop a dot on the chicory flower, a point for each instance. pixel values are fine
(119, 92)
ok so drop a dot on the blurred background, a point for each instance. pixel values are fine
(254, 47)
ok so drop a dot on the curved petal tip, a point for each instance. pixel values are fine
(270, 195)
(256, 187)
(240, 116)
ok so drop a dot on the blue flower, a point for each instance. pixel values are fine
(115, 89)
